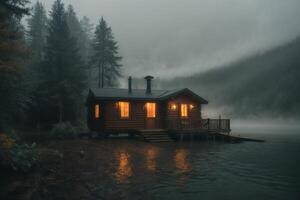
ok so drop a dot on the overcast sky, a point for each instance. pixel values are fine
(168, 38)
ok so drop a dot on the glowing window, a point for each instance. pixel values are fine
(151, 110)
(124, 109)
(173, 106)
(184, 110)
(97, 111)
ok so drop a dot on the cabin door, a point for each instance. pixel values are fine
(150, 115)
(150, 123)
(184, 120)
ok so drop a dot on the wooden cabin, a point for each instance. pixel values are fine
(112, 110)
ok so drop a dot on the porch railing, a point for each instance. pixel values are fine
(203, 124)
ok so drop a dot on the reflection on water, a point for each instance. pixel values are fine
(128, 169)
(191, 170)
(181, 161)
(124, 170)
(151, 159)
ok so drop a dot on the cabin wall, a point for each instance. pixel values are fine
(173, 116)
(93, 123)
(192, 113)
(112, 121)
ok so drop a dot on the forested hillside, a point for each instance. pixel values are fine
(48, 63)
(266, 84)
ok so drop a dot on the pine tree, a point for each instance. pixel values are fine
(12, 58)
(87, 29)
(37, 32)
(10, 46)
(86, 48)
(78, 33)
(36, 40)
(105, 56)
(73, 23)
(63, 73)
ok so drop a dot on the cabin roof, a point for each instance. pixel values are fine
(140, 94)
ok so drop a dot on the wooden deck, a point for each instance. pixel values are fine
(199, 125)
(206, 129)
(164, 135)
(203, 129)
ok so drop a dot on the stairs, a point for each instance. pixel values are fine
(155, 135)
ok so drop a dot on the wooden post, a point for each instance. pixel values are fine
(229, 124)
(181, 125)
(220, 122)
(208, 123)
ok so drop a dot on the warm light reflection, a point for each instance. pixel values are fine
(124, 170)
(97, 111)
(181, 161)
(173, 106)
(151, 159)
(192, 106)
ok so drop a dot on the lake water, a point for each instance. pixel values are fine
(130, 169)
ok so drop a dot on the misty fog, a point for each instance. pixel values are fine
(186, 43)
(179, 38)
(149, 99)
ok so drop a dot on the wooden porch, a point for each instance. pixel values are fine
(186, 127)
(199, 125)
(203, 129)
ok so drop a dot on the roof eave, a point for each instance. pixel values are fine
(196, 96)
(126, 98)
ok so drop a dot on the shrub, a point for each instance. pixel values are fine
(63, 130)
(19, 157)
(6, 142)
(81, 127)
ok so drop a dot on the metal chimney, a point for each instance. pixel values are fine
(129, 84)
(148, 79)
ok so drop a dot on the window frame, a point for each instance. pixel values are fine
(155, 110)
(186, 110)
(120, 110)
(97, 111)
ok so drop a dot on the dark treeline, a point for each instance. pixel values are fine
(265, 85)
(47, 66)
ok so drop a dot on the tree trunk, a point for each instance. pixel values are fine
(102, 74)
(99, 75)
(60, 111)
